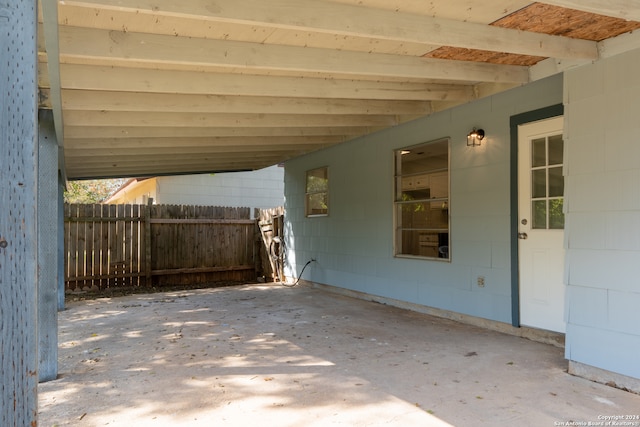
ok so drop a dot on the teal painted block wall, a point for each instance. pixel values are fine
(353, 245)
(602, 106)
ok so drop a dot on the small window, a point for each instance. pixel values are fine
(422, 200)
(317, 192)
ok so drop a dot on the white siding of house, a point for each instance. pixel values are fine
(255, 189)
(602, 111)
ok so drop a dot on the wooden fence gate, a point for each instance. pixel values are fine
(116, 246)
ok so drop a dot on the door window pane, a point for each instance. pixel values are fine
(539, 183)
(539, 214)
(556, 150)
(539, 152)
(556, 215)
(556, 182)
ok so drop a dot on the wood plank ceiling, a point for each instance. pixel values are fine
(148, 87)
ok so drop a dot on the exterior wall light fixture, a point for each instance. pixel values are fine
(475, 137)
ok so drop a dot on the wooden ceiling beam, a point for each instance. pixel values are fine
(127, 49)
(127, 132)
(177, 158)
(239, 143)
(266, 149)
(195, 103)
(185, 26)
(163, 168)
(158, 163)
(194, 164)
(354, 20)
(122, 79)
(124, 159)
(186, 120)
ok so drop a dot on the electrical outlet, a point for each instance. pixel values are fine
(481, 281)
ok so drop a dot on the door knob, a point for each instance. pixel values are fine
(522, 236)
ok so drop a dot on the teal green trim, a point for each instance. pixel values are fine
(515, 121)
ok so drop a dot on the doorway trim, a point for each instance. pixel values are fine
(515, 121)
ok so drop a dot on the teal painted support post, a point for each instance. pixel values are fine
(18, 214)
(47, 247)
(60, 241)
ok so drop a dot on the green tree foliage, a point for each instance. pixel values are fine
(91, 191)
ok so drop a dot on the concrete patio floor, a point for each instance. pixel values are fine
(266, 355)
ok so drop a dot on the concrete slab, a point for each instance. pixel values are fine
(273, 356)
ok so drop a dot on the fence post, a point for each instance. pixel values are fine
(147, 242)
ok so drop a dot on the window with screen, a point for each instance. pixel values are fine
(422, 200)
(317, 192)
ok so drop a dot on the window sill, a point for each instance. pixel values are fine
(424, 258)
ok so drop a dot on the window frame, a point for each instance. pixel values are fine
(398, 192)
(308, 194)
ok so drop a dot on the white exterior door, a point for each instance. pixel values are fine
(541, 224)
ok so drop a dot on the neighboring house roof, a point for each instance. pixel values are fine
(124, 188)
(279, 81)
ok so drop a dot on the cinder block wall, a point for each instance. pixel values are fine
(602, 121)
(353, 246)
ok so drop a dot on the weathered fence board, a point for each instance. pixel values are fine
(122, 246)
(270, 222)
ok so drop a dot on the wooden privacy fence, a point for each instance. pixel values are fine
(115, 246)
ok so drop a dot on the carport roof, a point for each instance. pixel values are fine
(150, 87)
